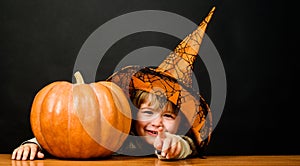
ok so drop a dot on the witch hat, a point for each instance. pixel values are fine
(180, 62)
(172, 80)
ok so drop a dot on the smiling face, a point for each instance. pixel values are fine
(152, 115)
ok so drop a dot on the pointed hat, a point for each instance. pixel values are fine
(180, 62)
(172, 80)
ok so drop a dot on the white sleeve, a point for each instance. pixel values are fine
(184, 153)
(32, 140)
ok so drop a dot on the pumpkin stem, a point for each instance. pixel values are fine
(79, 78)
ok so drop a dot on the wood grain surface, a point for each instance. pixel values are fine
(283, 160)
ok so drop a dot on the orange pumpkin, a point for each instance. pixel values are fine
(80, 120)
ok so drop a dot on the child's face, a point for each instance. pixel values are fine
(149, 119)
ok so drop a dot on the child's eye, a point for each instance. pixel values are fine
(170, 116)
(147, 112)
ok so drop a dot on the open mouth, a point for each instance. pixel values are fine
(151, 132)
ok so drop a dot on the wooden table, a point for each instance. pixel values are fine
(153, 161)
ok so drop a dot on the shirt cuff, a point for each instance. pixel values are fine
(33, 140)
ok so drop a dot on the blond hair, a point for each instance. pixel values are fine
(141, 97)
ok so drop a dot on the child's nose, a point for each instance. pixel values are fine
(157, 121)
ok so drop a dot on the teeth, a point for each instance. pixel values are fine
(153, 132)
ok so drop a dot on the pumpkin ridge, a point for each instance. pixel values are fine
(122, 106)
(109, 117)
(59, 92)
(66, 93)
(70, 107)
(37, 102)
(51, 125)
(101, 88)
(80, 113)
(112, 87)
(42, 109)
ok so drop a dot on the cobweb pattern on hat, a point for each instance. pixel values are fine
(180, 62)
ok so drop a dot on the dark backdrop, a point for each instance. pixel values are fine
(39, 42)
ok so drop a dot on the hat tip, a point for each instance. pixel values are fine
(209, 16)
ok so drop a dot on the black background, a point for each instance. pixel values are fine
(40, 40)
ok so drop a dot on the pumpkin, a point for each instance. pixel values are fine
(80, 120)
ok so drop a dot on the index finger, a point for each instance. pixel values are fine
(158, 142)
(161, 133)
